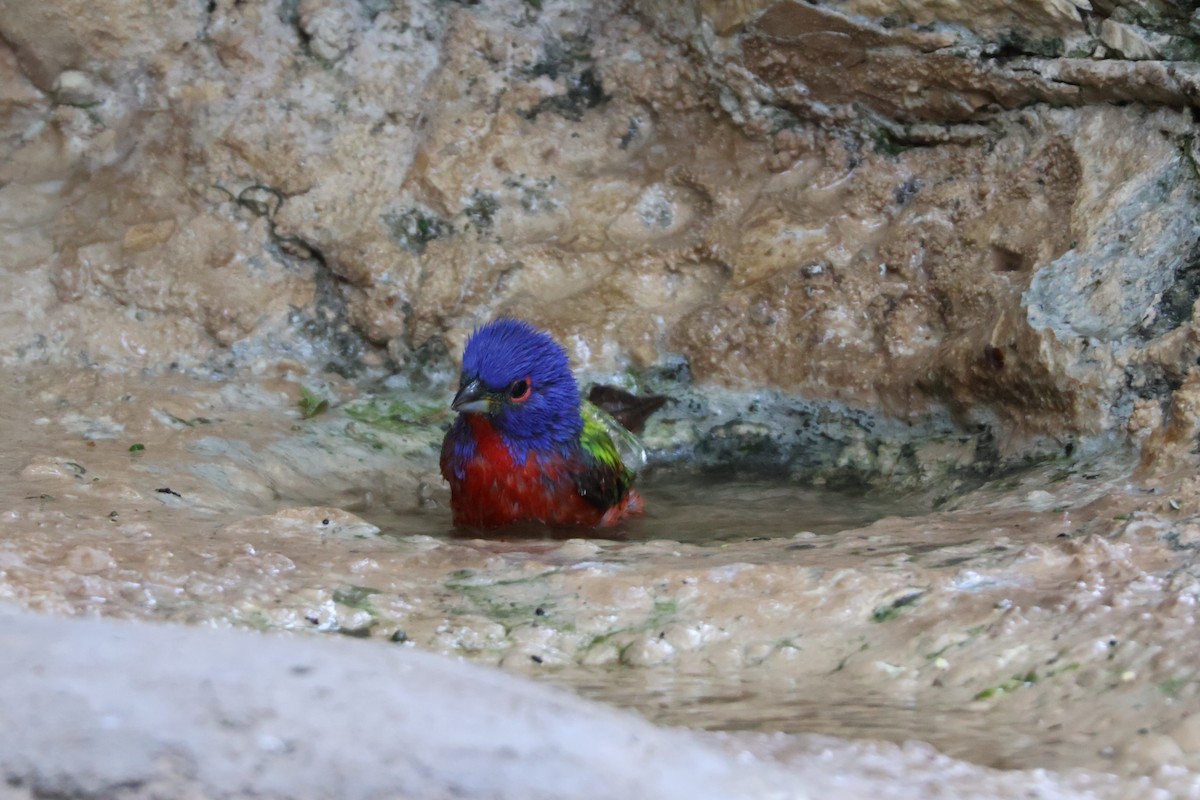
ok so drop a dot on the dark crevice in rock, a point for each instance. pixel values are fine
(1014, 44)
(570, 58)
(1145, 381)
(584, 91)
(1006, 260)
(481, 209)
(562, 56)
(335, 343)
(1174, 307)
(289, 14)
(414, 228)
(429, 365)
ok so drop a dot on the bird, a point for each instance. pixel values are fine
(524, 447)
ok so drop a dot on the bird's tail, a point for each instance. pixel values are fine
(630, 505)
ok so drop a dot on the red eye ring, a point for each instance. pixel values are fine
(520, 390)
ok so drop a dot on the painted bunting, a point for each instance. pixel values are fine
(524, 448)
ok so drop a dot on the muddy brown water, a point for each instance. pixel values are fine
(1045, 622)
(688, 508)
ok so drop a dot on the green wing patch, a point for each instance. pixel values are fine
(609, 453)
(623, 445)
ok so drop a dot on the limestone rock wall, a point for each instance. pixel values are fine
(982, 207)
(937, 63)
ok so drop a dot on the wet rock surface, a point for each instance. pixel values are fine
(1039, 622)
(919, 282)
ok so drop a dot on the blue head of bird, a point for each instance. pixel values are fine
(518, 377)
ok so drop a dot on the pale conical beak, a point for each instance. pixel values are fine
(472, 399)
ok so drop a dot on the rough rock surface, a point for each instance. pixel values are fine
(907, 243)
(909, 210)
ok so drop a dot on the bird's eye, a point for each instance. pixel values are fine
(519, 390)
